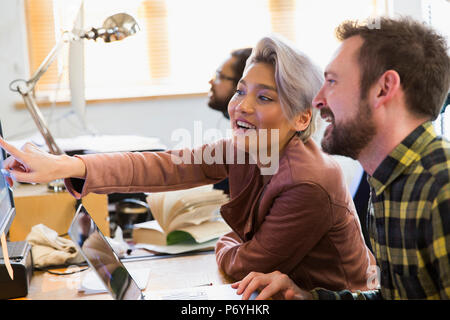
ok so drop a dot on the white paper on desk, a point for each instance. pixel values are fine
(110, 143)
(99, 143)
(178, 248)
(92, 283)
(214, 292)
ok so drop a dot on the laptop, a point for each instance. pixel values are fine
(117, 279)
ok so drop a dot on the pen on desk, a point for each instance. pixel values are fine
(205, 285)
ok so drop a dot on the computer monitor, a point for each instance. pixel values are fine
(7, 209)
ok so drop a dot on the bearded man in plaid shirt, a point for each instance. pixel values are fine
(383, 87)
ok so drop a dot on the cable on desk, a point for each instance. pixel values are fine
(56, 273)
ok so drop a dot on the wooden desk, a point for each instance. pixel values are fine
(166, 273)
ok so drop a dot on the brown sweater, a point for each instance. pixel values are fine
(301, 222)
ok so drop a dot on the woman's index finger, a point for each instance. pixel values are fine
(16, 153)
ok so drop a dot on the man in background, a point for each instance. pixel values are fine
(223, 84)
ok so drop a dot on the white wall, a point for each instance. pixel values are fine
(411, 8)
(12, 61)
(157, 118)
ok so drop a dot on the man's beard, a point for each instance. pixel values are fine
(350, 137)
(220, 104)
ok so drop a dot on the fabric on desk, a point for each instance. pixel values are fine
(48, 249)
(301, 222)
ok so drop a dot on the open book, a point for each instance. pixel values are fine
(182, 216)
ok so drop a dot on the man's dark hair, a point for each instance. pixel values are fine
(415, 51)
(241, 56)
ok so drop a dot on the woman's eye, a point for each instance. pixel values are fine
(331, 81)
(264, 98)
(239, 92)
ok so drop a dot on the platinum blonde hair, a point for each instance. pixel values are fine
(298, 80)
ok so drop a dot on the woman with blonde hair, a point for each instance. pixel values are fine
(289, 208)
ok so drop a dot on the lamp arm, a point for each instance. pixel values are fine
(25, 88)
(48, 60)
(38, 118)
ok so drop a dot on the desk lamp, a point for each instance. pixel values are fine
(115, 27)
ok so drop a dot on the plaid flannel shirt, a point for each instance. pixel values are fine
(409, 221)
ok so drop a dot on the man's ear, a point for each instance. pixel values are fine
(302, 120)
(386, 88)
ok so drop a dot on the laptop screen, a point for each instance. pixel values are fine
(102, 258)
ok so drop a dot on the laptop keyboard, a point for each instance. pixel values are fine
(16, 249)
